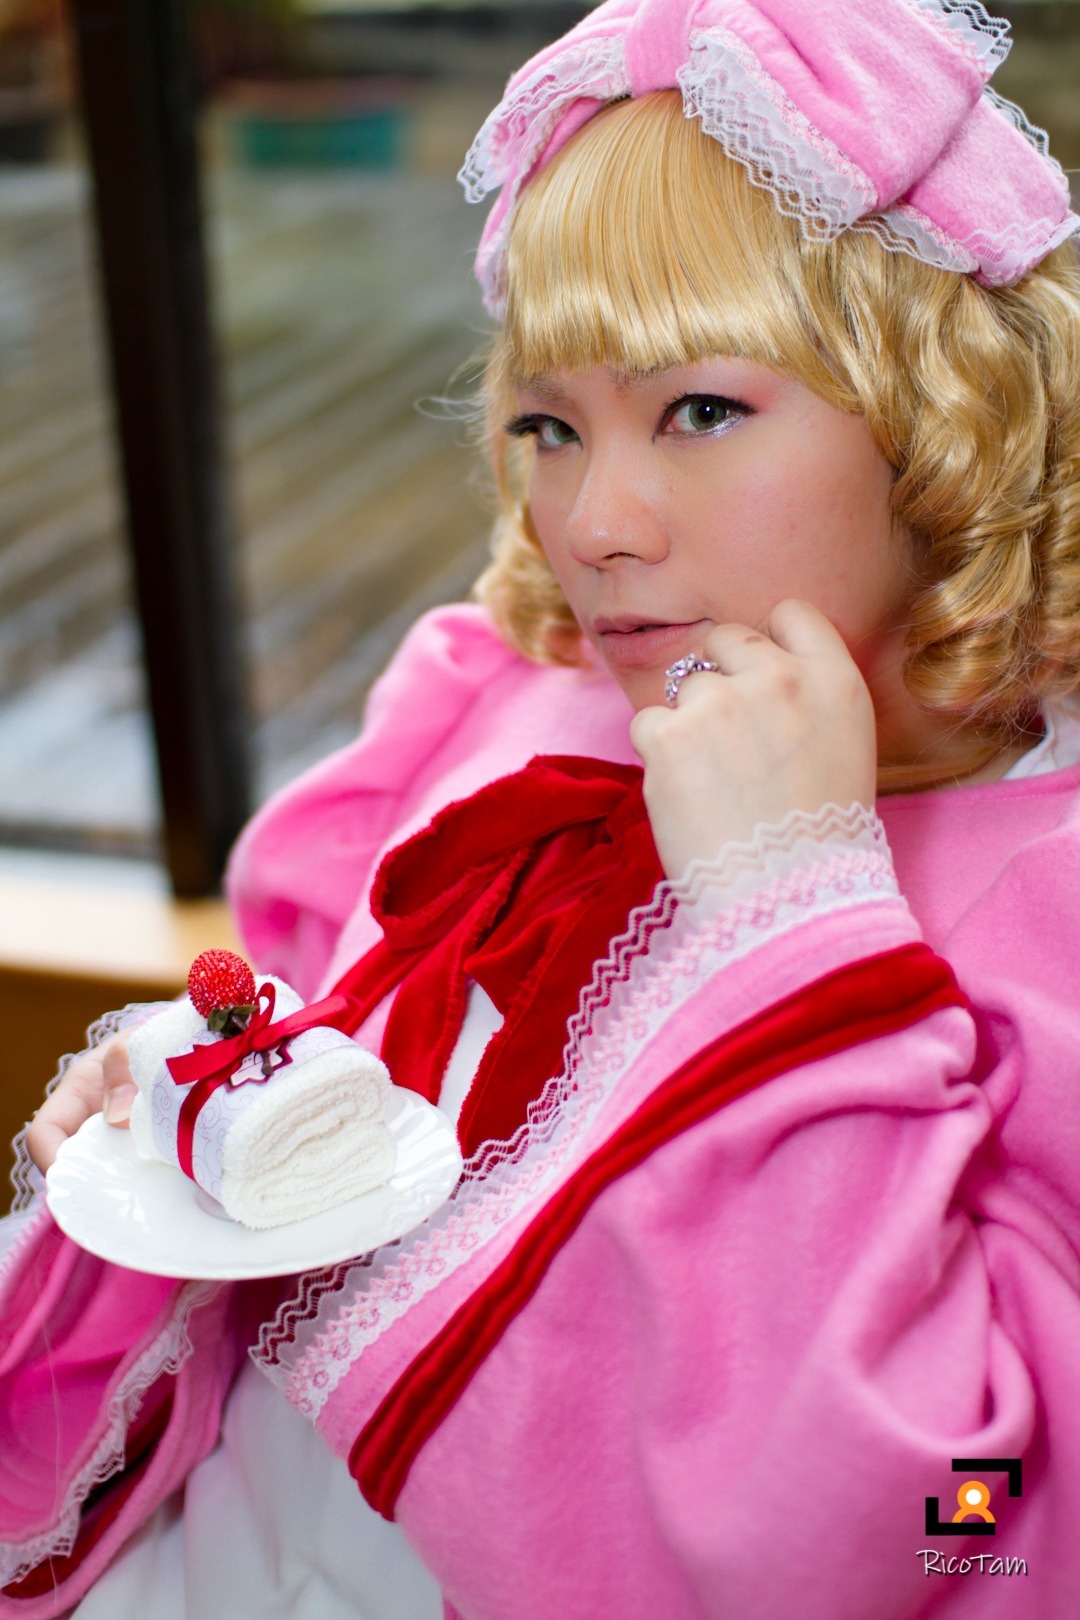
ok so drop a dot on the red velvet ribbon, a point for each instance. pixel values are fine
(215, 1064)
(520, 888)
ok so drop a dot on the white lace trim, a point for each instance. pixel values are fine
(516, 132)
(1019, 118)
(776, 852)
(513, 135)
(747, 111)
(755, 121)
(1000, 260)
(1004, 258)
(983, 39)
(717, 914)
(903, 229)
(166, 1354)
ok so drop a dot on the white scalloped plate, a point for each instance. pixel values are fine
(150, 1217)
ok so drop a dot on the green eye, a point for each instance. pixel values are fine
(552, 433)
(700, 414)
(548, 431)
(705, 413)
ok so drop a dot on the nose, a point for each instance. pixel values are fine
(618, 513)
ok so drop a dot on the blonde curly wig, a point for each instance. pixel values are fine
(643, 246)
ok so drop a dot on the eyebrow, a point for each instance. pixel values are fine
(544, 386)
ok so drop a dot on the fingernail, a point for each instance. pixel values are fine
(118, 1103)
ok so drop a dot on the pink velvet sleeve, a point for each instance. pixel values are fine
(758, 1355)
(303, 864)
(111, 1386)
(112, 1382)
(725, 1378)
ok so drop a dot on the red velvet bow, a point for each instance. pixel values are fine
(520, 888)
(215, 1064)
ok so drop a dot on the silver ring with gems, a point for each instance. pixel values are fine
(680, 669)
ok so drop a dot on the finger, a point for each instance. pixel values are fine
(76, 1098)
(738, 647)
(644, 728)
(120, 1088)
(802, 629)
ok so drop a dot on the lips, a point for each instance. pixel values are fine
(629, 642)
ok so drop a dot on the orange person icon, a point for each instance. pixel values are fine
(974, 1500)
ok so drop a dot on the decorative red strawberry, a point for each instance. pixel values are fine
(222, 988)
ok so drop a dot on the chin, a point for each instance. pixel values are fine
(643, 690)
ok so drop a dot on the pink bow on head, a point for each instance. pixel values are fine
(872, 114)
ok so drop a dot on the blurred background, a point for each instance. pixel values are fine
(341, 295)
(339, 298)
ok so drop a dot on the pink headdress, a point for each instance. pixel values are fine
(865, 114)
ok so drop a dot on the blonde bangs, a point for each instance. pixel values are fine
(645, 247)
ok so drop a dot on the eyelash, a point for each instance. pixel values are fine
(530, 423)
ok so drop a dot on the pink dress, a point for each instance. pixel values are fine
(797, 1229)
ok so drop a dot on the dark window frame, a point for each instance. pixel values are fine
(139, 106)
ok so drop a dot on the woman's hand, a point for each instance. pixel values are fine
(787, 724)
(99, 1081)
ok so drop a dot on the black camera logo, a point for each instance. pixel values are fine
(973, 1516)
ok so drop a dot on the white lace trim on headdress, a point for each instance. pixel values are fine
(1000, 260)
(982, 38)
(516, 132)
(810, 179)
(903, 229)
(1020, 120)
(718, 913)
(755, 121)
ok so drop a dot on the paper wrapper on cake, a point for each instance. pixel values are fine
(270, 1149)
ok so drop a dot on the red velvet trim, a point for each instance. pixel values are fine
(429, 1009)
(370, 980)
(888, 992)
(102, 1506)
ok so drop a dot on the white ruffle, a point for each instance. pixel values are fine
(516, 132)
(748, 112)
(755, 121)
(903, 229)
(983, 39)
(718, 913)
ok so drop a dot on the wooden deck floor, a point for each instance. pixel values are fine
(342, 300)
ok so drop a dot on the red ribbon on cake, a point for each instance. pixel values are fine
(215, 1064)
